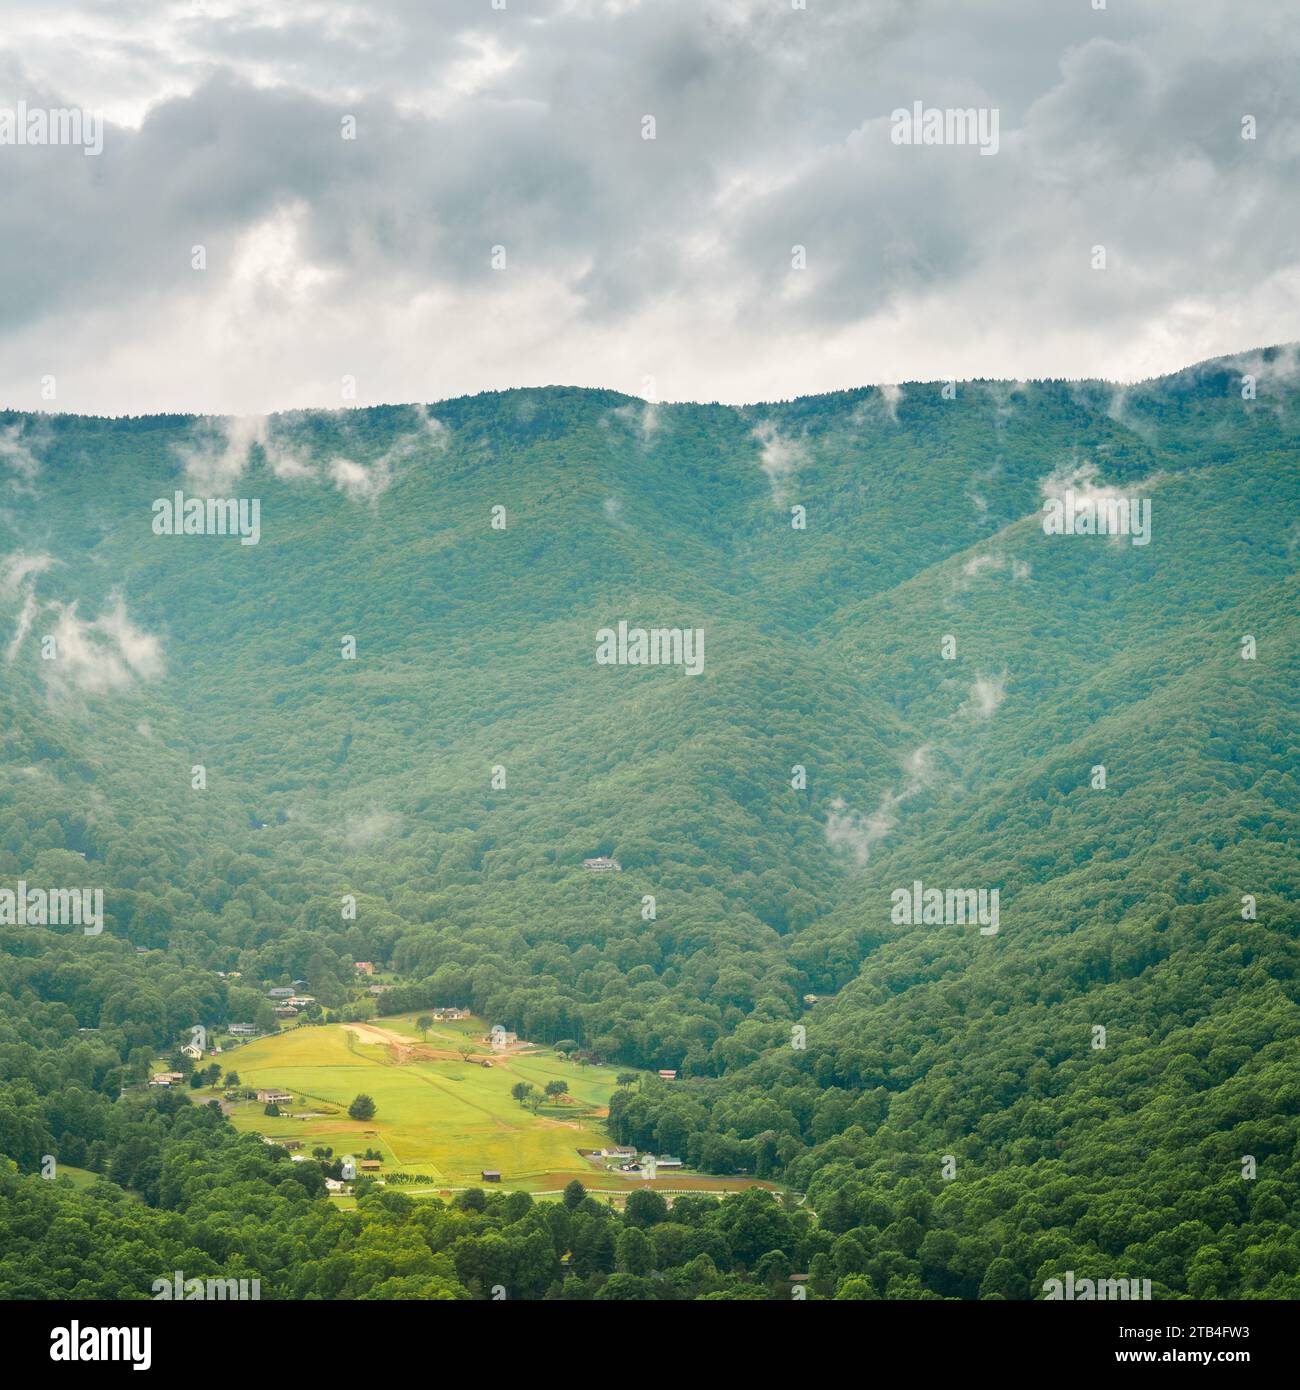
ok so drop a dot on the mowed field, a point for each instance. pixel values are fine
(437, 1114)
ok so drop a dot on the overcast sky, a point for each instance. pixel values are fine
(659, 267)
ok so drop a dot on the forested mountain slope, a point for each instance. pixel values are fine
(830, 752)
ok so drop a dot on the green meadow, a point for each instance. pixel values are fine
(438, 1113)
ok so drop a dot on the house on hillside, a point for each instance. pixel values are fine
(667, 1161)
(275, 1097)
(490, 1175)
(370, 1165)
(241, 1030)
(300, 1001)
(167, 1078)
(667, 1076)
(280, 992)
(364, 967)
(193, 1051)
(603, 864)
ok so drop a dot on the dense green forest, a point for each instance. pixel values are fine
(949, 1113)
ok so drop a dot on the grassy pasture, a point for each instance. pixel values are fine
(436, 1113)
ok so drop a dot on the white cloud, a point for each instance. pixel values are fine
(977, 564)
(361, 483)
(18, 575)
(368, 482)
(1080, 478)
(221, 451)
(216, 458)
(857, 834)
(16, 453)
(370, 828)
(881, 404)
(779, 457)
(643, 417)
(985, 695)
(993, 562)
(109, 653)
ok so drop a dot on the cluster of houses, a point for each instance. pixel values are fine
(290, 1001)
(626, 1160)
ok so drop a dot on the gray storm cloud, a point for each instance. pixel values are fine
(521, 129)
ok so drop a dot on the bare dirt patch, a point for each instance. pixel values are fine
(403, 1049)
